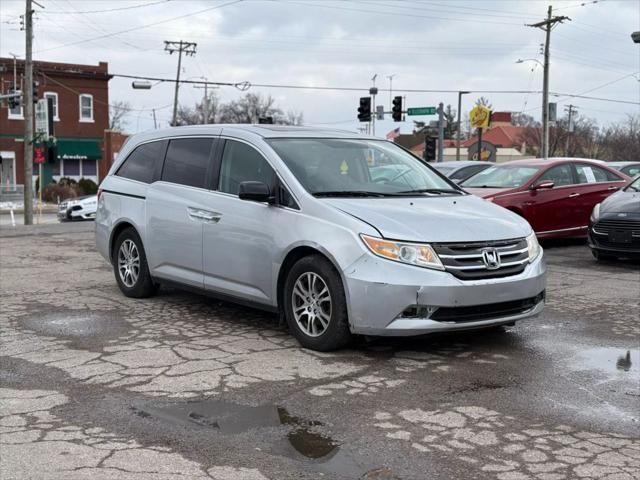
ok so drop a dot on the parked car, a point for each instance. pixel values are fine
(631, 169)
(556, 195)
(459, 171)
(614, 227)
(289, 219)
(80, 208)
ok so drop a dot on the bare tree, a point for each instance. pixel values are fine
(621, 141)
(117, 112)
(199, 115)
(451, 125)
(484, 102)
(520, 119)
(249, 108)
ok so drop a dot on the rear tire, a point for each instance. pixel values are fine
(315, 306)
(130, 266)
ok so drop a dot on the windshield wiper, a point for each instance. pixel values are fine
(350, 193)
(434, 190)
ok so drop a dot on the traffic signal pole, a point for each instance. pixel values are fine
(28, 115)
(440, 132)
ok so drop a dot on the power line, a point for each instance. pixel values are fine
(246, 85)
(141, 26)
(110, 9)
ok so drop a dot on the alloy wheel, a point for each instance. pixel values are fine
(128, 263)
(311, 302)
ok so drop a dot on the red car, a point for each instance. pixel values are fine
(556, 196)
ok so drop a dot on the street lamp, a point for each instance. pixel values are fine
(522, 60)
(390, 77)
(460, 93)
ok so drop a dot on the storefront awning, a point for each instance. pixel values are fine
(78, 149)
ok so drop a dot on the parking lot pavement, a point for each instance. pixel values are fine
(98, 386)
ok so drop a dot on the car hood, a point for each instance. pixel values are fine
(621, 202)
(487, 192)
(435, 219)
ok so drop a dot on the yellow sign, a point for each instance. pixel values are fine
(479, 116)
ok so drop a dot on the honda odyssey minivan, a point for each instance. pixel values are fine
(291, 219)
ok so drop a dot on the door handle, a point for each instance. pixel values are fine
(612, 188)
(573, 195)
(206, 215)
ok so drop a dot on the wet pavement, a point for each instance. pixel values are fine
(94, 385)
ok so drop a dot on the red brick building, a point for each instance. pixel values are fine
(80, 96)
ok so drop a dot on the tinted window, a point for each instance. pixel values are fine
(560, 175)
(242, 163)
(593, 174)
(467, 172)
(187, 160)
(141, 163)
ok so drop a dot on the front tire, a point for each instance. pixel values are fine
(315, 306)
(130, 266)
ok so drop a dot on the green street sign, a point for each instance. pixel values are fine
(421, 111)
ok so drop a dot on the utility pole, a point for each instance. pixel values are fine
(546, 25)
(205, 100)
(373, 91)
(570, 111)
(459, 126)
(440, 132)
(188, 48)
(27, 106)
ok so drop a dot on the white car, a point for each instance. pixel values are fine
(80, 208)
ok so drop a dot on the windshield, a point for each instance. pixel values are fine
(633, 186)
(354, 167)
(502, 176)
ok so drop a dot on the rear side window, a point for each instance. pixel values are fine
(141, 164)
(593, 174)
(187, 161)
(242, 163)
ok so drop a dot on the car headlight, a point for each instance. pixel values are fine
(419, 254)
(595, 213)
(533, 247)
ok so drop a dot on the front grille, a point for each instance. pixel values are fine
(603, 227)
(465, 260)
(485, 312)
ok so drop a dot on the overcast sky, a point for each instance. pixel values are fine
(435, 45)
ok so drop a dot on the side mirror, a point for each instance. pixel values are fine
(545, 184)
(254, 191)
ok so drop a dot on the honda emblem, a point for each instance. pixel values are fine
(491, 258)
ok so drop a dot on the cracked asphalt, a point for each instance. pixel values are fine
(94, 385)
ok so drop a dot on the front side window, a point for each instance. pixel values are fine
(141, 164)
(17, 112)
(502, 176)
(187, 161)
(593, 174)
(242, 163)
(355, 167)
(54, 98)
(86, 108)
(560, 175)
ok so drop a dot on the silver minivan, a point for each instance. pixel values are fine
(341, 233)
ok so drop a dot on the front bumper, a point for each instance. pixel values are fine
(601, 243)
(76, 213)
(380, 292)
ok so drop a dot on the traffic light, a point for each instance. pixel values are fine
(364, 110)
(396, 110)
(36, 84)
(430, 149)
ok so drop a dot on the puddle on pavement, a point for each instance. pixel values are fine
(76, 323)
(304, 441)
(617, 362)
